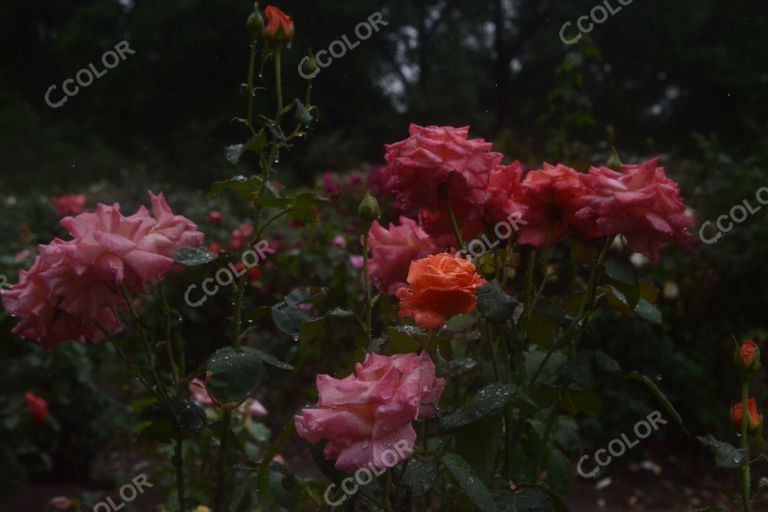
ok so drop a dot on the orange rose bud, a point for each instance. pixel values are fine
(755, 418)
(440, 286)
(747, 358)
(279, 27)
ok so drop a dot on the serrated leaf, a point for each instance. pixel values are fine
(474, 488)
(420, 475)
(489, 401)
(193, 256)
(301, 113)
(232, 375)
(245, 187)
(272, 360)
(621, 271)
(493, 303)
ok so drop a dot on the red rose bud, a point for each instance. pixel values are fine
(747, 358)
(215, 217)
(37, 406)
(755, 418)
(279, 27)
(214, 247)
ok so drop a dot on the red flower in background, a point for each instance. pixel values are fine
(37, 406)
(215, 217)
(640, 203)
(73, 204)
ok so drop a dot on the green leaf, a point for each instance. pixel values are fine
(190, 415)
(301, 113)
(489, 401)
(534, 358)
(529, 498)
(272, 360)
(479, 443)
(648, 291)
(648, 311)
(559, 471)
(660, 396)
(493, 303)
(245, 187)
(621, 271)
(193, 256)
(584, 402)
(475, 489)
(420, 475)
(232, 375)
(587, 366)
(726, 455)
(289, 319)
(255, 144)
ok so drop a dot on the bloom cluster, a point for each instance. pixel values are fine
(439, 171)
(74, 287)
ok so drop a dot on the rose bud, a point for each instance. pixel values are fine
(279, 27)
(215, 217)
(369, 209)
(755, 418)
(747, 358)
(37, 406)
(255, 21)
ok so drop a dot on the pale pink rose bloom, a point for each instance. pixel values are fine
(368, 414)
(73, 204)
(56, 300)
(392, 251)
(132, 250)
(199, 393)
(434, 157)
(640, 203)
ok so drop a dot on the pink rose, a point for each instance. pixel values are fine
(368, 414)
(435, 157)
(255, 408)
(199, 393)
(505, 187)
(72, 291)
(57, 300)
(392, 251)
(640, 203)
(69, 205)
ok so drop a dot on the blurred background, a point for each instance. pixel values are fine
(685, 80)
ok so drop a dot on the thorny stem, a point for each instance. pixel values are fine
(454, 223)
(367, 284)
(745, 420)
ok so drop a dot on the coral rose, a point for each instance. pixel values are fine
(393, 250)
(439, 157)
(279, 27)
(440, 286)
(366, 415)
(755, 418)
(548, 198)
(640, 203)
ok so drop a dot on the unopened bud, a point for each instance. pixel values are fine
(369, 209)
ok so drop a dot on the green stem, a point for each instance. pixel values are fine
(367, 284)
(279, 81)
(179, 463)
(219, 504)
(454, 223)
(745, 420)
(251, 71)
(387, 488)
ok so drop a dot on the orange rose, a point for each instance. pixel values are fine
(755, 418)
(440, 286)
(279, 27)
